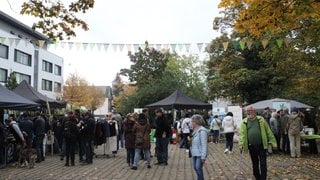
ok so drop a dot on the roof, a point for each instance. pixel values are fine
(273, 102)
(19, 25)
(179, 100)
(26, 90)
(11, 100)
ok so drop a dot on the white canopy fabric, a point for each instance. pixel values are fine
(278, 103)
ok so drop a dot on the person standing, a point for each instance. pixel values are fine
(111, 131)
(39, 132)
(88, 127)
(26, 126)
(274, 125)
(70, 135)
(294, 127)
(142, 131)
(185, 129)
(129, 137)
(255, 134)
(199, 145)
(215, 126)
(118, 117)
(284, 117)
(229, 127)
(162, 134)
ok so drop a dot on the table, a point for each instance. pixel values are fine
(315, 136)
(311, 141)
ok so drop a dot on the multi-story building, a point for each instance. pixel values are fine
(24, 52)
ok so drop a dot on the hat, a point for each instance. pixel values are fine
(229, 114)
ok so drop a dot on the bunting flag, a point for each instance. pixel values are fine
(116, 47)
(264, 43)
(249, 44)
(242, 44)
(225, 45)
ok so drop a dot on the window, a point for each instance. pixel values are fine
(3, 75)
(46, 66)
(46, 85)
(20, 77)
(57, 70)
(57, 87)
(4, 51)
(21, 57)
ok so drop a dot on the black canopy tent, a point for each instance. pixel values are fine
(178, 100)
(26, 90)
(11, 100)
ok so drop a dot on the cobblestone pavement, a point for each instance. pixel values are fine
(217, 166)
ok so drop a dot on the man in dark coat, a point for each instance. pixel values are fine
(162, 134)
(26, 126)
(70, 135)
(39, 132)
(88, 131)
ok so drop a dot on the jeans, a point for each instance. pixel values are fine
(130, 155)
(197, 166)
(137, 156)
(184, 142)
(259, 161)
(39, 147)
(285, 144)
(120, 138)
(89, 150)
(229, 141)
(215, 135)
(162, 149)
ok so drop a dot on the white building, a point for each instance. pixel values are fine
(24, 52)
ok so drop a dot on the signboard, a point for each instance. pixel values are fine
(279, 105)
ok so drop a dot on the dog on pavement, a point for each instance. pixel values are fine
(27, 156)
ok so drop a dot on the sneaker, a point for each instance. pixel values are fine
(187, 150)
(226, 150)
(158, 163)
(230, 152)
(134, 168)
(148, 166)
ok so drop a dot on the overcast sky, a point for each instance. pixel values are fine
(130, 22)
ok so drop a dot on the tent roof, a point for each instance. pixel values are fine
(179, 100)
(269, 103)
(26, 90)
(11, 100)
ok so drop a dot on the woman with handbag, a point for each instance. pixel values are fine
(142, 140)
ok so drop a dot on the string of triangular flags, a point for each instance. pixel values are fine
(175, 47)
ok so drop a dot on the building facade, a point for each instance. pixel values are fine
(24, 53)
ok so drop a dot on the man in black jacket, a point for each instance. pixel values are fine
(39, 132)
(162, 134)
(87, 131)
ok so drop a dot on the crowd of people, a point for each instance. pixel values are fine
(81, 133)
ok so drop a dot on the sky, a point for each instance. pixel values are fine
(129, 22)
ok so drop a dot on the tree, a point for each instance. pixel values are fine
(57, 19)
(148, 64)
(96, 98)
(269, 17)
(117, 85)
(12, 81)
(76, 91)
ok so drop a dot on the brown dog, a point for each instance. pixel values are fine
(27, 156)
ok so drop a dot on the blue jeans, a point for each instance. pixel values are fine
(120, 138)
(162, 149)
(137, 156)
(197, 166)
(259, 161)
(130, 155)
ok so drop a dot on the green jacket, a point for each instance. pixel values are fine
(266, 133)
